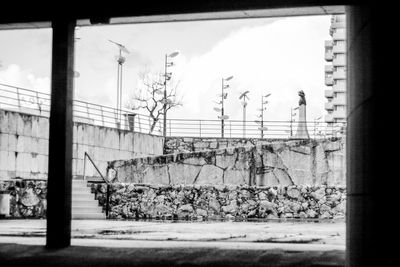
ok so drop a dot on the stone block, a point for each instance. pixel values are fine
(12, 142)
(4, 121)
(27, 125)
(43, 128)
(301, 176)
(332, 146)
(201, 145)
(20, 123)
(182, 173)
(12, 123)
(43, 163)
(20, 146)
(3, 141)
(199, 161)
(4, 175)
(236, 177)
(272, 159)
(90, 135)
(157, 175)
(3, 160)
(283, 177)
(35, 127)
(23, 163)
(301, 149)
(267, 179)
(210, 174)
(43, 146)
(225, 161)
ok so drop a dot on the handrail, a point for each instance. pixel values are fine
(101, 175)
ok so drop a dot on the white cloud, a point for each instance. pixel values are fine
(279, 58)
(24, 78)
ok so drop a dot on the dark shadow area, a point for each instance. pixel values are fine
(27, 255)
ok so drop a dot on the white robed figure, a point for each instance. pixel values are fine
(302, 132)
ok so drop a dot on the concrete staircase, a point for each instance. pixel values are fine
(84, 206)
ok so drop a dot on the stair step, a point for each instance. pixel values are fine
(79, 181)
(81, 190)
(83, 197)
(90, 203)
(86, 209)
(84, 204)
(88, 216)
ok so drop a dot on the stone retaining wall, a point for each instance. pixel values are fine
(194, 144)
(129, 201)
(27, 198)
(300, 162)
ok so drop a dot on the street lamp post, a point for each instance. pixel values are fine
(244, 103)
(167, 77)
(223, 117)
(120, 61)
(262, 128)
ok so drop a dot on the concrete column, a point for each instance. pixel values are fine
(370, 177)
(60, 137)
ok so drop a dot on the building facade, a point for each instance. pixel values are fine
(335, 71)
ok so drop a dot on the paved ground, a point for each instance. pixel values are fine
(156, 243)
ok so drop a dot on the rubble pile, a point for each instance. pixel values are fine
(214, 202)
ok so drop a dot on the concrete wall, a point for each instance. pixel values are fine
(301, 162)
(24, 146)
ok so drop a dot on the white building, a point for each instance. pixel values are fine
(335, 71)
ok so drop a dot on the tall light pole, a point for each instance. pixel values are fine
(223, 117)
(261, 116)
(120, 62)
(167, 77)
(244, 103)
(292, 120)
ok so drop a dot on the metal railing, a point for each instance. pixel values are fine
(103, 180)
(252, 129)
(33, 102)
(37, 103)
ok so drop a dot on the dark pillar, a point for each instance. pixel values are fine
(371, 170)
(60, 137)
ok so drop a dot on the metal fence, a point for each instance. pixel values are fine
(251, 129)
(37, 103)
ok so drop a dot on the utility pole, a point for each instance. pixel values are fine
(223, 117)
(262, 128)
(244, 103)
(167, 77)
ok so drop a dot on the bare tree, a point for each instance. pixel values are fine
(149, 95)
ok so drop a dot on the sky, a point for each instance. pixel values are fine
(279, 56)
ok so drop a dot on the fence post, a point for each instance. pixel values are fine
(87, 111)
(140, 125)
(102, 116)
(19, 100)
(200, 127)
(37, 101)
